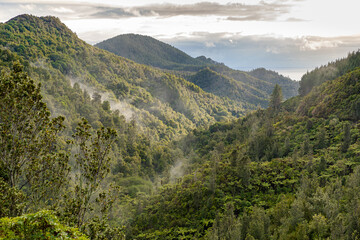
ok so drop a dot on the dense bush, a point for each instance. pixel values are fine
(40, 225)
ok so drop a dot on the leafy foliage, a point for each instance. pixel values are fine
(34, 170)
(339, 96)
(93, 165)
(263, 176)
(41, 225)
(29, 157)
(276, 98)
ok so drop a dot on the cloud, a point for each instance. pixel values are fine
(209, 44)
(233, 11)
(287, 55)
(295, 20)
(270, 43)
(316, 43)
(94, 22)
(62, 10)
(27, 7)
(273, 10)
(261, 11)
(104, 12)
(271, 49)
(124, 106)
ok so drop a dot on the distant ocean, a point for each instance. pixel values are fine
(293, 73)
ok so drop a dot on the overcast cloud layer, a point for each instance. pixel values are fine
(261, 11)
(290, 36)
(289, 56)
(233, 11)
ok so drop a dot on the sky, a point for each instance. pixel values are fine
(288, 36)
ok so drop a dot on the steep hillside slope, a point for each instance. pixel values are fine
(261, 79)
(163, 104)
(147, 50)
(340, 97)
(271, 175)
(221, 85)
(289, 87)
(328, 72)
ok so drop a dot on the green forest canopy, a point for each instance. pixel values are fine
(287, 172)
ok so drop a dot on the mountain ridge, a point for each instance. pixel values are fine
(329, 71)
(144, 49)
(147, 50)
(51, 51)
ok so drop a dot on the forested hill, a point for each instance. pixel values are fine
(340, 97)
(288, 172)
(253, 87)
(224, 86)
(289, 87)
(149, 51)
(163, 104)
(328, 72)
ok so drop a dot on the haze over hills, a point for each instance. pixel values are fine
(224, 86)
(289, 88)
(256, 85)
(168, 103)
(149, 51)
(327, 72)
(169, 154)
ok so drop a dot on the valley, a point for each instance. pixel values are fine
(135, 139)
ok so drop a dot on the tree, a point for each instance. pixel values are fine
(276, 98)
(321, 138)
(93, 165)
(243, 168)
(259, 224)
(106, 105)
(319, 227)
(227, 227)
(286, 147)
(41, 225)
(214, 168)
(322, 165)
(11, 200)
(28, 136)
(306, 146)
(96, 98)
(347, 138)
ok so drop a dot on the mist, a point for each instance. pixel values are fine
(177, 170)
(124, 106)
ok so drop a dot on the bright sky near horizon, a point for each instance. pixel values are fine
(289, 36)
